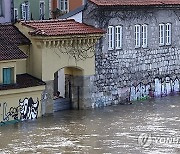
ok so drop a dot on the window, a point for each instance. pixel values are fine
(168, 34)
(42, 10)
(25, 11)
(118, 37)
(15, 13)
(1, 7)
(137, 36)
(110, 38)
(144, 36)
(161, 34)
(8, 75)
(64, 5)
(165, 34)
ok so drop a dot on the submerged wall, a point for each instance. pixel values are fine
(20, 104)
(130, 73)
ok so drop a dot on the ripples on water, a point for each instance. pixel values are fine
(102, 131)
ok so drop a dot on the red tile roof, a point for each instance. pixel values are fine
(134, 2)
(60, 27)
(10, 38)
(23, 81)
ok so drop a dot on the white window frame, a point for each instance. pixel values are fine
(15, 15)
(25, 7)
(168, 33)
(118, 33)
(42, 11)
(161, 34)
(110, 37)
(62, 4)
(137, 33)
(144, 35)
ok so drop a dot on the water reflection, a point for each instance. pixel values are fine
(109, 130)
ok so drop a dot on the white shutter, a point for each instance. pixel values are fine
(118, 37)
(161, 34)
(137, 36)
(144, 36)
(110, 38)
(168, 34)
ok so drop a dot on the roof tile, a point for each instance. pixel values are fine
(10, 38)
(135, 2)
(60, 27)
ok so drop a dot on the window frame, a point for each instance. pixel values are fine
(64, 5)
(111, 37)
(168, 36)
(161, 34)
(137, 35)
(144, 36)
(118, 38)
(42, 13)
(25, 10)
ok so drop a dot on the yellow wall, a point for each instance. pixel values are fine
(34, 61)
(52, 62)
(46, 60)
(12, 97)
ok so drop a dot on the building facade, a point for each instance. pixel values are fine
(20, 93)
(31, 10)
(139, 55)
(6, 11)
(62, 55)
(65, 6)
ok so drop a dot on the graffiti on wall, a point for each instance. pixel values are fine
(140, 91)
(27, 109)
(11, 114)
(166, 87)
(162, 87)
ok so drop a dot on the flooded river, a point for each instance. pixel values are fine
(147, 127)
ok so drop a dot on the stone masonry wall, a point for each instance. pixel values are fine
(132, 74)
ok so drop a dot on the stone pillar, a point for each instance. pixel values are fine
(47, 98)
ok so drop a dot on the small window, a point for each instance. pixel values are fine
(42, 10)
(137, 36)
(110, 38)
(1, 8)
(161, 34)
(168, 34)
(118, 37)
(8, 75)
(144, 36)
(64, 5)
(25, 9)
(15, 13)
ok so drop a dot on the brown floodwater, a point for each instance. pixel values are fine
(108, 130)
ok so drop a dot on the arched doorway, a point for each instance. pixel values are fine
(69, 82)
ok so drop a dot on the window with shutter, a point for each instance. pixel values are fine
(8, 75)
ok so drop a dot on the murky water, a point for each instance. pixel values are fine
(102, 131)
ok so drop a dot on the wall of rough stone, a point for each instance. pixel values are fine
(132, 74)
